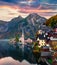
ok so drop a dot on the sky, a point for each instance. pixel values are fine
(14, 8)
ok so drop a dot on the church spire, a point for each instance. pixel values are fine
(22, 35)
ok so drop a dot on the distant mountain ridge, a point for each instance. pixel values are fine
(30, 25)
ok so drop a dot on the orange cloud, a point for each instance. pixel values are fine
(7, 6)
(9, 12)
(27, 9)
(34, 10)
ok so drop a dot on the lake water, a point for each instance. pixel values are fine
(11, 61)
(4, 44)
(5, 40)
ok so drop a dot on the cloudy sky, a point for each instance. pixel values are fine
(13, 8)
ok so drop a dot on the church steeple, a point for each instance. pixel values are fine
(22, 33)
(22, 36)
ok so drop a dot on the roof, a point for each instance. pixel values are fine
(51, 38)
(41, 36)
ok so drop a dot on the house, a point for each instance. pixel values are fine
(53, 33)
(41, 41)
(53, 43)
(45, 52)
(54, 59)
(28, 40)
(41, 38)
(53, 39)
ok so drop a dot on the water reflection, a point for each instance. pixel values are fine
(16, 51)
(11, 61)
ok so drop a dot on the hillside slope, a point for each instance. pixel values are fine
(52, 22)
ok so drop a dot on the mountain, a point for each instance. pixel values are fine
(30, 25)
(35, 19)
(3, 26)
(11, 26)
(52, 22)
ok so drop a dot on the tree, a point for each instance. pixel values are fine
(53, 23)
(36, 51)
(16, 38)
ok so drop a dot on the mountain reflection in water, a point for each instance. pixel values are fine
(11, 61)
(15, 51)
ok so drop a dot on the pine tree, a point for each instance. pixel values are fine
(16, 38)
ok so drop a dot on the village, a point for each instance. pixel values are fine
(47, 43)
(44, 47)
